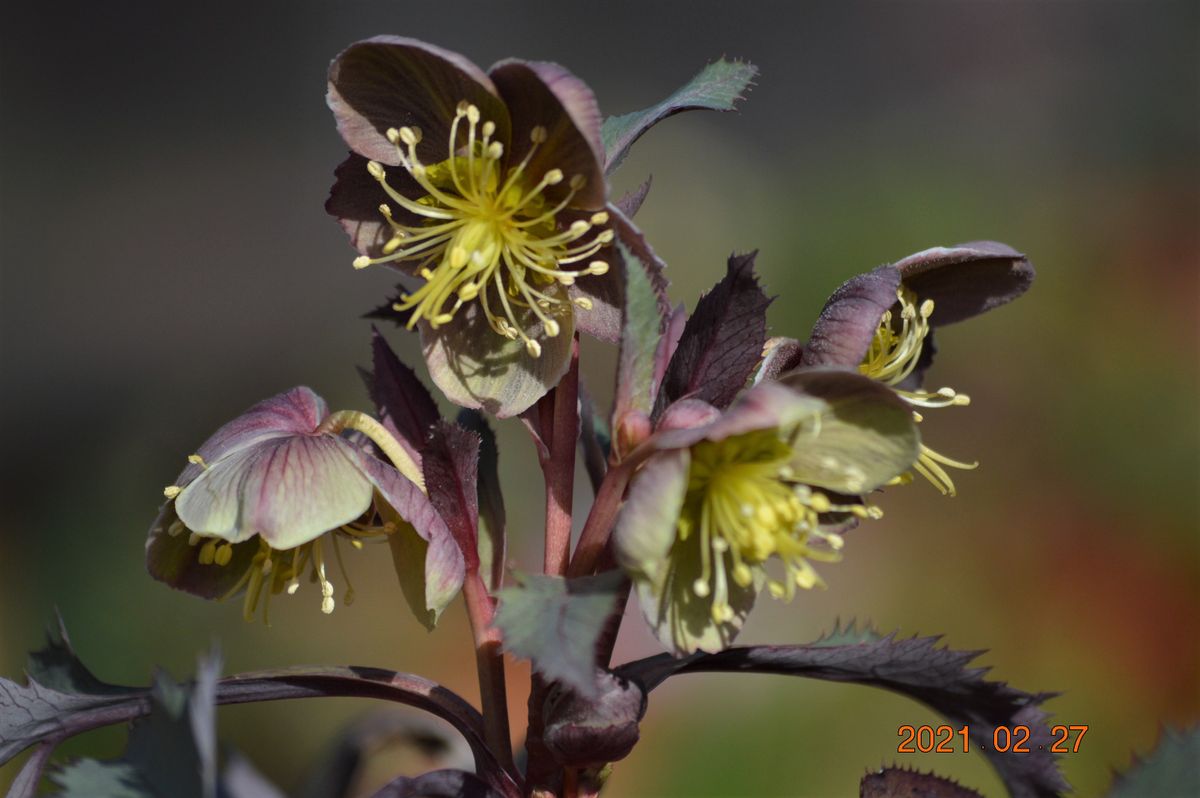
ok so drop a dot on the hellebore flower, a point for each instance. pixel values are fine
(272, 496)
(497, 202)
(882, 323)
(727, 493)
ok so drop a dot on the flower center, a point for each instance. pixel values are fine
(743, 506)
(485, 233)
(893, 355)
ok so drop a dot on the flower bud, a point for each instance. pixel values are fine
(589, 732)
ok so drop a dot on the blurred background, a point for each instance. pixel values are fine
(167, 262)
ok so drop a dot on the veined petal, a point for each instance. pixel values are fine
(478, 369)
(860, 438)
(543, 94)
(645, 528)
(966, 279)
(392, 82)
(290, 491)
(296, 412)
(848, 321)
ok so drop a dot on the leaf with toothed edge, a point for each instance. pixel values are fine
(722, 342)
(717, 87)
(557, 622)
(406, 408)
(492, 541)
(451, 464)
(899, 782)
(642, 327)
(35, 715)
(1172, 768)
(916, 667)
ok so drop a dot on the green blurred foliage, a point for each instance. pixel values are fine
(166, 263)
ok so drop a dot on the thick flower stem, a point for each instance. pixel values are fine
(489, 662)
(600, 520)
(558, 468)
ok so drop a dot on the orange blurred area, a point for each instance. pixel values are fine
(167, 262)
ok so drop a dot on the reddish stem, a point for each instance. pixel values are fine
(489, 663)
(558, 469)
(600, 520)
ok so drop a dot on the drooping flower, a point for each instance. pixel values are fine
(735, 500)
(273, 496)
(489, 189)
(882, 323)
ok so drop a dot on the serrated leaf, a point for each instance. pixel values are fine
(32, 714)
(722, 341)
(896, 782)
(556, 624)
(56, 666)
(492, 541)
(450, 465)
(642, 326)
(915, 667)
(404, 404)
(717, 87)
(1171, 769)
(171, 751)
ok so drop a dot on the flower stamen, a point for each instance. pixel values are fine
(480, 231)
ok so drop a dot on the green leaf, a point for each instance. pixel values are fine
(642, 327)
(897, 782)
(1172, 768)
(916, 667)
(717, 87)
(556, 624)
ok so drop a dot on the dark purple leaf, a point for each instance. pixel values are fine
(491, 499)
(722, 342)
(439, 784)
(897, 782)
(915, 667)
(405, 405)
(451, 466)
(589, 731)
(848, 321)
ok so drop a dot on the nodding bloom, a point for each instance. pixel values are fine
(734, 501)
(271, 499)
(486, 187)
(882, 323)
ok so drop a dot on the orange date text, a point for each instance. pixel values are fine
(1003, 739)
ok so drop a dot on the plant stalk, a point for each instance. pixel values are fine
(489, 663)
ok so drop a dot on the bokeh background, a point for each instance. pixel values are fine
(166, 262)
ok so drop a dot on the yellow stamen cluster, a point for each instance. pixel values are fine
(272, 571)
(744, 506)
(486, 235)
(891, 358)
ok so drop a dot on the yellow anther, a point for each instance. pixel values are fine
(489, 127)
(566, 279)
(393, 135)
(582, 302)
(927, 308)
(533, 347)
(538, 135)
(171, 491)
(461, 108)
(600, 218)
(176, 528)
(468, 292)
(578, 182)
(605, 237)
(597, 267)
(392, 245)
(473, 114)
(196, 459)
(194, 539)
(742, 574)
(409, 136)
(495, 150)
(223, 554)
(362, 262)
(553, 177)
(376, 170)
(327, 604)
(208, 552)
(551, 327)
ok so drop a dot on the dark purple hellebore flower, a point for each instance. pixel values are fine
(271, 497)
(490, 188)
(882, 323)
